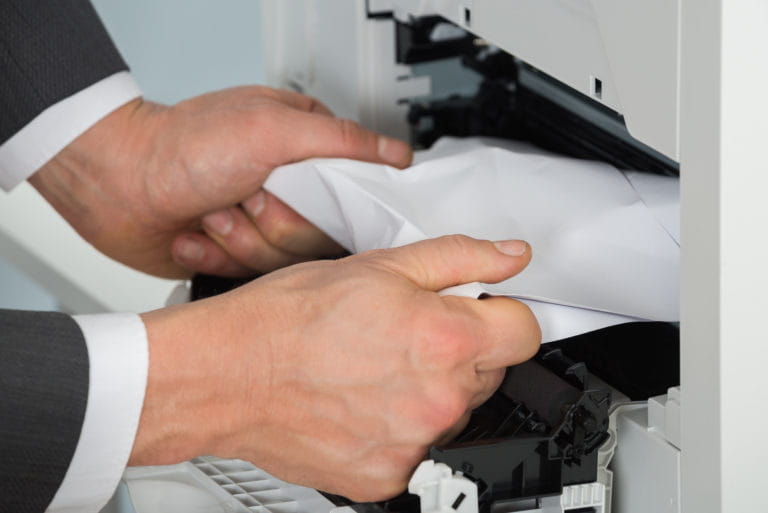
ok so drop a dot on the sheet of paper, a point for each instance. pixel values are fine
(605, 249)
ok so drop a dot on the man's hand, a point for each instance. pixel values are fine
(335, 374)
(170, 190)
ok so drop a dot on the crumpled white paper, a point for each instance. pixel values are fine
(605, 242)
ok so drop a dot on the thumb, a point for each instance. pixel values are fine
(436, 264)
(325, 136)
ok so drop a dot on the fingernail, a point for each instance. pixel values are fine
(512, 247)
(220, 222)
(255, 204)
(393, 151)
(189, 250)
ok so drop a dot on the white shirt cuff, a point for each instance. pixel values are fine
(119, 361)
(60, 124)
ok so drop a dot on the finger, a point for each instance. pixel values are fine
(284, 228)
(198, 253)
(323, 136)
(235, 233)
(436, 264)
(508, 332)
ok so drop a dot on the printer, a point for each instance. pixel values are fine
(642, 417)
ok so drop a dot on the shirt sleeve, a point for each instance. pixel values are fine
(61, 123)
(119, 361)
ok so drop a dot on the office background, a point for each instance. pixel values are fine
(176, 49)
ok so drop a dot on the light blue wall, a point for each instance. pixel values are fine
(19, 291)
(182, 48)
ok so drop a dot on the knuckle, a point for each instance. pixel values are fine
(264, 122)
(456, 252)
(461, 244)
(445, 342)
(251, 250)
(243, 242)
(349, 132)
(452, 409)
(279, 232)
(444, 412)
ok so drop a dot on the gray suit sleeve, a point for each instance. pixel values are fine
(49, 50)
(43, 395)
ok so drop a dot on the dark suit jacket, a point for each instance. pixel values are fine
(49, 50)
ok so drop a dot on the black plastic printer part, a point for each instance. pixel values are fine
(205, 285)
(640, 359)
(539, 432)
(415, 42)
(506, 110)
(505, 107)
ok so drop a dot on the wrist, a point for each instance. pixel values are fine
(197, 375)
(175, 393)
(98, 183)
(85, 177)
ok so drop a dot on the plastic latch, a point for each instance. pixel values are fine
(441, 490)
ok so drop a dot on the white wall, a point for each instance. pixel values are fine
(176, 49)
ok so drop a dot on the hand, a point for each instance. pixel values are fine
(171, 190)
(335, 374)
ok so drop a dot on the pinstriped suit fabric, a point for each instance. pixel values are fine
(43, 395)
